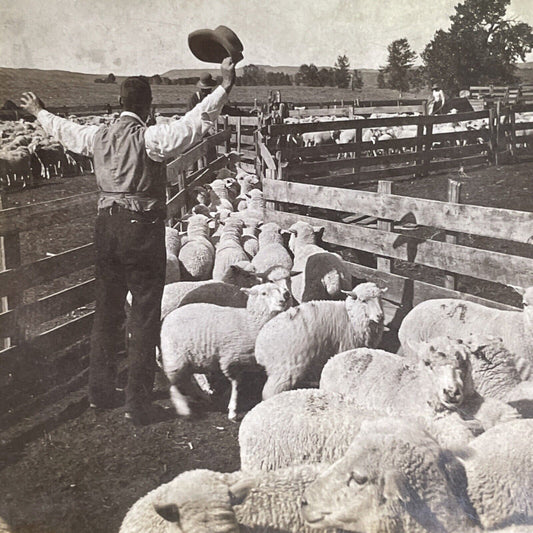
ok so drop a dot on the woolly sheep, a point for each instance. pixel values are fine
(299, 427)
(294, 346)
(173, 245)
(229, 250)
(272, 251)
(200, 338)
(255, 208)
(394, 477)
(439, 387)
(197, 252)
(246, 183)
(459, 319)
(324, 273)
(203, 501)
(250, 242)
(499, 467)
(219, 196)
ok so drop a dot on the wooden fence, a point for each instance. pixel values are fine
(491, 93)
(435, 245)
(44, 350)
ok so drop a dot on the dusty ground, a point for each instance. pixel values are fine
(82, 476)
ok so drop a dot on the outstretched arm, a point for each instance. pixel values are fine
(164, 141)
(74, 137)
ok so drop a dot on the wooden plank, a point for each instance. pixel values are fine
(474, 262)
(247, 140)
(384, 187)
(245, 121)
(34, 216)
(454, 196)
(47, 308)
(54, 339)
(389, 109)
(32, 274)
(186, 160)
(486, 221)
(284, 129)
(405, 292)
(267, 156)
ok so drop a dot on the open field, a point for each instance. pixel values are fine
(83, 475)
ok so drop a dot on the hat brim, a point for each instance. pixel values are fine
(213, 47)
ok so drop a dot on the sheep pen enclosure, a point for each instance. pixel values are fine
(69, 469)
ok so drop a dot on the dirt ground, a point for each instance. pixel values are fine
(82, 476)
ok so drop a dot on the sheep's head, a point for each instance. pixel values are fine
(267, 299)
(241, 274)
(447, 363)
(270, 232)
(378, 482)
(527, 304)
(304, 233)
(279, 275)
(366, 298)
(200, 501)
(198, 224)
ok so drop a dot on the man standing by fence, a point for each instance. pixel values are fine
(130, 227)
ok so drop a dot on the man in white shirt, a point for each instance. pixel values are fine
(130, 232)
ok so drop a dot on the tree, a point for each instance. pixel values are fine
(111, 78)
(396, 74)
(342, 71)
(482, 46)
(308, 75)
(356, 81)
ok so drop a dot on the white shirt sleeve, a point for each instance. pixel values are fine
(74, 137)
(164, 141)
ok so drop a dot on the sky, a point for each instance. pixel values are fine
(129, 37)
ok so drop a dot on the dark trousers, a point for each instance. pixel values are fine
(130, 256)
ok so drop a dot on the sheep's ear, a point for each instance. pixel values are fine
(294, 273)
(519, 290)
(318, 231)
(263, 276)
(351, 294)
(384, 290)
(240, 490)
(169, 511)
(246, 291)
(395, 487)
(290, 231)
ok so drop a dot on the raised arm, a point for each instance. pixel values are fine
(165, 141)
(74, 137)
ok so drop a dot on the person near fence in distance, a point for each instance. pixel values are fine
(129, 167)
(205, 87)
(437, 103)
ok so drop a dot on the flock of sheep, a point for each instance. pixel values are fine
(348, 437)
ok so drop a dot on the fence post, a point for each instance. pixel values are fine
(384, 264)
(512, 133)
(228, 141)
(492, 137)
(238, 133)
(10, 258)
(498, 120)
(454, 197)
(428, 145)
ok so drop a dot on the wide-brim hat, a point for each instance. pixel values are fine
(212, 46)
(206, 81)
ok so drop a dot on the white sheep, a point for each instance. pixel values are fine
(197, 253)
(299, 427)
(255, 208)
(229, 250)
(459, 319)
(272, 251)
(294, 346)
(394, 477)
(173, 245)
(219, 196)
(439, 388)
(250, 242)
(203, 501)
(499, 468)
(246, 182)
(324, 275)
(200, 338)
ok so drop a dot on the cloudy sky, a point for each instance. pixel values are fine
(150, 36)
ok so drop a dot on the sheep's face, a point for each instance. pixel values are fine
(448, 365)
(274, 299)
(368, 296)
(304, 233)
(363, 491)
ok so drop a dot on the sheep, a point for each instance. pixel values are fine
(439, 388)
(393, 477)
(324, 273)
(499, 468)
(272, 251)
(250, 242)
(294, 346)
(200, 338)
(204, 501)
(219, 196)
(246, 183)
(459, 319)
(229, 250)
(197, 253)
(299, 427)
(173, 245)
(255, 209)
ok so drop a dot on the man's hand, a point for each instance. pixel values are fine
(227, 69)
(31, 103)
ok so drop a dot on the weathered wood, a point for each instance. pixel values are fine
(245, 121)
(477, 263)
(267, 156)
(383, 263)
(486, 221)
(34, 216)
(454, 196)
(185, 161)
(30, 315)
(238, 134)
(44, 270)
